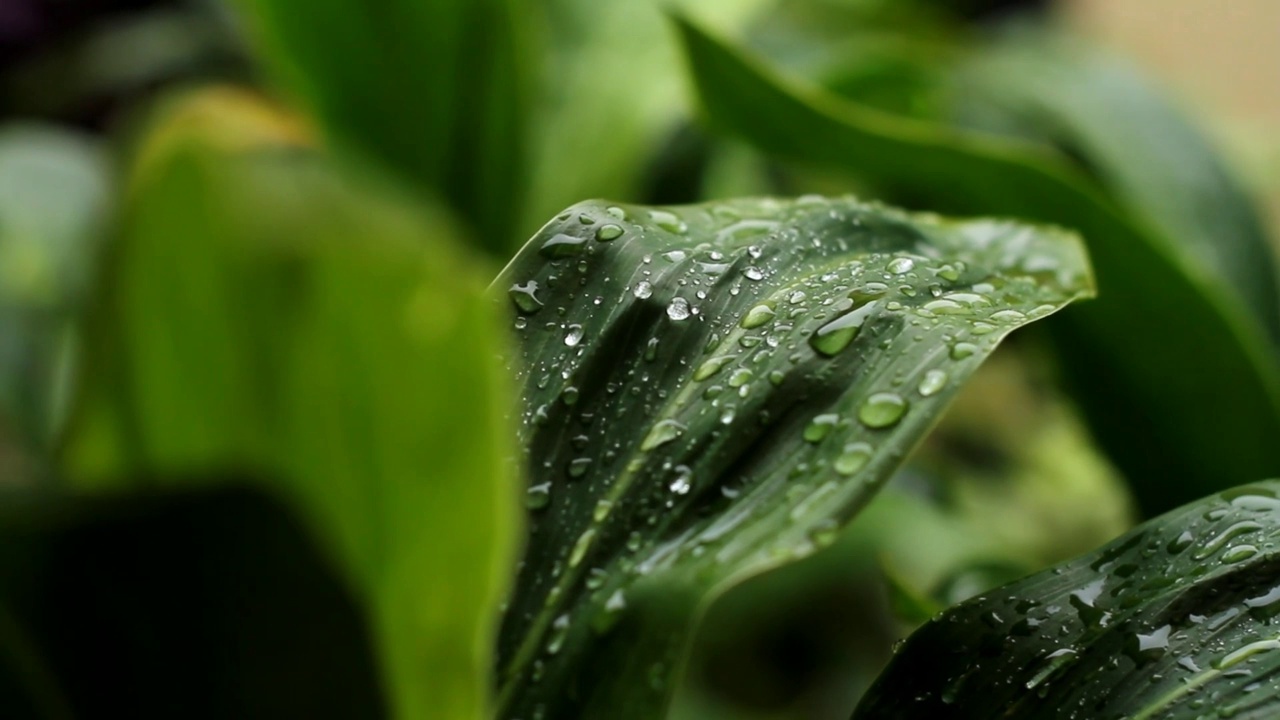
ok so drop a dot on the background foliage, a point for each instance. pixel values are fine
(259, 443)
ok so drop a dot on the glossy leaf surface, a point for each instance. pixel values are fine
(1173, 620)
(713, 390)
(1138, 358)
(265, 313)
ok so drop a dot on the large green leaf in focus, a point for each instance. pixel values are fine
(262, 312)
(438, 91)
(713, 390)
(53, 200)
(1174, 620)
(1173, 371)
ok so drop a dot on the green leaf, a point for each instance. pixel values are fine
(216, 595)
(1173, 620)
(711, 391)
(53, 200)
(1058, 90)
(263, 312)
(437, 91)
(1139, 358)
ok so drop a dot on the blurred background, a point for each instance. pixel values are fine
(1009, 483)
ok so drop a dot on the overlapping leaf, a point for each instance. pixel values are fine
(437, 91)
(1138, 357)
(713, 390)
(1174, 620)
(316, 331)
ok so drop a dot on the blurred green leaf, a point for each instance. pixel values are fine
(615, 91)
(1139, 358)
(1173, 620)
(438, 91)
(1058, 90)
(263, 312)
(711, 391)
(143, 604)
(54, 197)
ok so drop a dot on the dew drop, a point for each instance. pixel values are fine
(852, 458)
(901, 265)
(578, 467)
(539, 496)
(753, 273)
(757, 316)
(678, 309)
(523, 295)
(836, 335)
(710, 367)
(962, 350)
(668, 221)
(606, 233)
(932, 383)
(882, 410)
(573, 335)
(740, 377)
(820, 427)
(562, 245)
(643, 289)
(662, 433)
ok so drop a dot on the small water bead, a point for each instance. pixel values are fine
(1239, 553)
(578, 467)
(932, 383)
(524, 297)
(836, 335)
(570, 395)
(678, 309)
(740, 377)
(797, 297)
(643, 290)
(662, 433)
(776, 377)
(1008, 316)
(559, 632)
(711, 366)
(573, 335)
(750, 341)
(882, 410)
(962, 350)
(753, 273)
(949, 273)
(674, 256)
(1180, 543)
(538, 497)
(585, 219)
(668, 221)
(820, 427)
(901, 265)
(562, 245)
(651, 349)
(616, 212)
(945, 306)
(683, 481)
(852, 458)
(609, 232)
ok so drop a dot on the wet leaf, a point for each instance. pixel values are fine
(1137, 358)
(1173, 620)
(713, 390)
